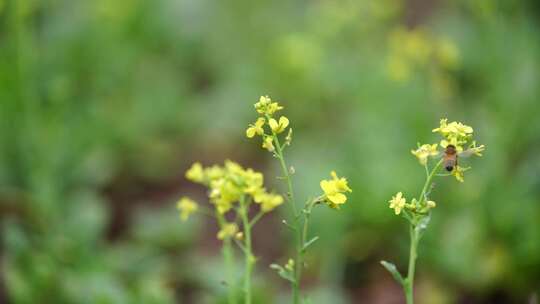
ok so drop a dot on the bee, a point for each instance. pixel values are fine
(450, 158)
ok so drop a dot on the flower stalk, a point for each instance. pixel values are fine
(299, 221)
(418, 210)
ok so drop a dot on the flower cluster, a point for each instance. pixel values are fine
(267, 108)
(415, 49)
(228, 183)
(334, 190)
(398, 203)
(454, 134)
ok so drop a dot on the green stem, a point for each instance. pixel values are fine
(408, 286)
(298, 235)
(409, 283)
(428, 182)
(228, 256)
(249, 258)
(229, 263)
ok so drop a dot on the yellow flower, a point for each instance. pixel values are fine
(268, 144)
(333, 190)
(425, 151)
(253, 181)
(270, 201)
(454, 133)
(263, 103)
(186, 206)
(266, 106)
(278, 127)
(458, 173)
(195, 173)
(256, 128)
(431, 204)
(397, 202)
(213, 173)
(476, 150)
(227, 230)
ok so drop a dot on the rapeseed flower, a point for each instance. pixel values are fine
(334, 190)
(186, 206)
(256, 128)
(278, 127)
(227, 230)
(397, 203)
(425, 151)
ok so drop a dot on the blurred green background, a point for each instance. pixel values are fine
(104, 104)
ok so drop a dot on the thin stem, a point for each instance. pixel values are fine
(409, 283)
(249, 258)
(408, 287)
(295, 284)
(228, 257)
(287, 176)
(428, 182)
(256, 218)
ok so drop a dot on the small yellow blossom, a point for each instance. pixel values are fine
(269, 201)
(186, 206)
(334, 189)
(227, 230)
(397, 202)
(458, 173)
(431, 204)
(290, 265)
(476, 150)
(239, 235)
(425, 151)
(256, 128)
(195, 173)
(268, 143)
(213, 173)
(266, 106)
(278, 127)
(454, 133)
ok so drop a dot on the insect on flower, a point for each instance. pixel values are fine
(450, 155)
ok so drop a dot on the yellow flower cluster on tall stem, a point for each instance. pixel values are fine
(269, 129)
(232, 189)
(455, 137)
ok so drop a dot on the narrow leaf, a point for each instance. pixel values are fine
(308, 243)
(282, 272)
(393, 270)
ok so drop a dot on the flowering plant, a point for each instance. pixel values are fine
(234, 190)
(334, 190)
(457, 141)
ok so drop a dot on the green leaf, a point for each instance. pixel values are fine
(308, 243)
(282, 272)
(393, 270)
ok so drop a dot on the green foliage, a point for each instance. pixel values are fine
(104, 103)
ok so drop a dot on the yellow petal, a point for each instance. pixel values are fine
(337, 198)
(250, 132)
(283, 122)
(273, 124)
(327, 186)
